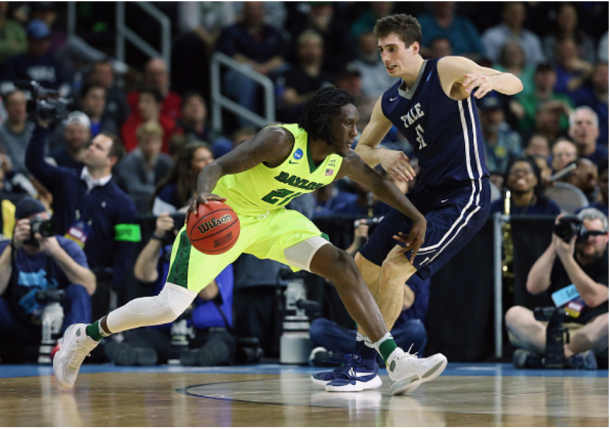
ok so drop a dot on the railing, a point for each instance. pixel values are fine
(124, 33)
(219, 101)
(499, 220)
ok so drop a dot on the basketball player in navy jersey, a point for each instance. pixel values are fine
(432, 105)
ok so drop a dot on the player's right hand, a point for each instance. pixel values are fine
(203, 198)
(397, 165)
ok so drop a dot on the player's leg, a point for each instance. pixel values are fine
(190, 271)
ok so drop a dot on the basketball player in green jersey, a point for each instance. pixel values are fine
(257, 179)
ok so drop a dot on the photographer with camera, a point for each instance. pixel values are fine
(37, 268)
(202, 336)
(574, 268)
(88, 206)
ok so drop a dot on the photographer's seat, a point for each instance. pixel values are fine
(569, 198)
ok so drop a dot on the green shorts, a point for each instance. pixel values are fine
(265, 238)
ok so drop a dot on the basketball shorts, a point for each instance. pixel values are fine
(265, 238)
(454, 216)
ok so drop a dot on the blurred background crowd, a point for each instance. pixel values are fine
(554, 132)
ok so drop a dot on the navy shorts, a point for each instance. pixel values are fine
(454, 216)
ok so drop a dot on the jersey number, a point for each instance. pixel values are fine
(420, 136)
(280, 196)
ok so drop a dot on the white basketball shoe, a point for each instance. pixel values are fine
(407, 372)
(76, 345)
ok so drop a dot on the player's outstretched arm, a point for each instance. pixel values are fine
(271, 145)
(394, 162)
(470, 75)
(356, 169)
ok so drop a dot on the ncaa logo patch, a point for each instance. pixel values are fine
(298, 154)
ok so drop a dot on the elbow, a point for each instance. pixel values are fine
(534, 287)
(595, 299)
(91, 284)
(145, 277)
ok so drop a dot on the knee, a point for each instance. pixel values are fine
(601, 323)
(344, 268)
(515, 315)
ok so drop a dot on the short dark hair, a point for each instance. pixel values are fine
(89, 86)
(117, 149)
(188, 95)
(406, 27)
(325, 104)
(539, 188)
(156, 94)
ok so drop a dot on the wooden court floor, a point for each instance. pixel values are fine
(166, 397)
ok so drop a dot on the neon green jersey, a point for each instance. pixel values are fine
(262, 190)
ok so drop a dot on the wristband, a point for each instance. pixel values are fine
(154, 236)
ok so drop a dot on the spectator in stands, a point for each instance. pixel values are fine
(77, 134)
(602, 49)
(93, 104)
(156, 77)
(90, 208)
(116, 108)
(513, 18)
(193, 120)
(572, 71)
(176, 143)
(365, 204)
(328, 198)
(567, 27)
(545, 79)
(523, 179)
(211, 309)
(563, 153)
(538, 148)
(37, 63)
(501, 142)
(512, 60)
(547, 120)
(440, 47)
(582, 263)
(595, 95)
(16, 132)
(334, 31)
(14, 40)
(375, 79)
(368, 18)
(443, 22)
(144, 168)
(602, 198)
(584, 177)
(584, 131)
(46, 12)
(175, 192)
(223, 145)
(258, 46)
(149, 109)
(32, 263)
(305, 78)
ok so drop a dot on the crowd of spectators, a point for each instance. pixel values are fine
(161, 121)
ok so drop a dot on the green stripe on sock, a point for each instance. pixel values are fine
(93, 331)
(386, 348)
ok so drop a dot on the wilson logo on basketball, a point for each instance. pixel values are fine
(222, 241)
(206, 226)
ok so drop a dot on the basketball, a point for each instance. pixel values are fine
(214, 229)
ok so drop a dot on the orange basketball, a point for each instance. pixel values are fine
(214, 229)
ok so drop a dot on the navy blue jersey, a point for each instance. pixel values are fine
(445, 133)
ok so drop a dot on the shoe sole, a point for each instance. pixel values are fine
(56, 362)
(358, 387)
(404, 387)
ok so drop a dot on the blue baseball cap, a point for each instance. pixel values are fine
(37, 30)
(28, 206)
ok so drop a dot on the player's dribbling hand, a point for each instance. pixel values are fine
(397, 165)
(474, 80)
(414, 239)
(203, 198)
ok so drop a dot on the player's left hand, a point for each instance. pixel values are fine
(474, 80)
(414, 239)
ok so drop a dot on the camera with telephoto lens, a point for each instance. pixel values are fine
(44, 103)
(556, 335)
(568, 227)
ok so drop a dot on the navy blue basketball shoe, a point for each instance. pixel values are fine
(357, 374)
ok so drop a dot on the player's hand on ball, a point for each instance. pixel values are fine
(397, 165)
(203, 198)
(474, 80)
(414, 239)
